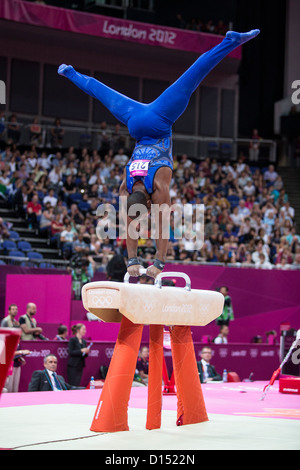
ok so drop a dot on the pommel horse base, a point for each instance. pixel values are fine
(136, 305)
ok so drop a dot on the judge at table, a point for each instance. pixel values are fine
(47, 380)
(207, 372)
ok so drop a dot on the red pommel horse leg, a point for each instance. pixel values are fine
(190, 402)
(111, 412)
(9, 340)
(154, 406)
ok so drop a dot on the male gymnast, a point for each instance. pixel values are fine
(148, 173)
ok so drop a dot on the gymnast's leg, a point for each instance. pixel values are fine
(173, 101)
(119, 105)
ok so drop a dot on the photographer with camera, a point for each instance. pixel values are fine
(30, 330)
(81, 271)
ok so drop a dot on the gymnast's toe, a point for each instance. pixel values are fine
(241, 38)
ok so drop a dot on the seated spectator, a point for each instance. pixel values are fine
(107, 247)
(262, 262)
(44, 162)
(260, 248)
(248, 259)
(50, 197)
(296, 262)
(249, 189)
(243, 179)
(287, 212)
(57, 227)
(67, 238)
(95, 245)
(80, 247)
(207, 371)
(5, 178)
(46, 220)
(47, 380)
(142, 365)
(76, 216)
(284, 253)
(242, 209)
(55, 176)
(4, 232)
(31, 161)
(34, 212)
(269, 222)
(236, 217)
(270, 175)
(230, 232)
(121, 158)
(222, 337)
(62, 333)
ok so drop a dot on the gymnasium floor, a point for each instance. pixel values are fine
(237, 420)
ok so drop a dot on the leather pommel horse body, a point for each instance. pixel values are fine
(136, 305)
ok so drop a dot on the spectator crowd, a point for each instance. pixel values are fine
(248, 218)
(197, 24)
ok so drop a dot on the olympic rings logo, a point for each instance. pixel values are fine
(148, 307)
(62, 353)
(109, 352)
(102, 301)
(253, 353)
(203, 308)
(223, 352)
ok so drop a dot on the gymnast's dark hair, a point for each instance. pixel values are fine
(139, 198)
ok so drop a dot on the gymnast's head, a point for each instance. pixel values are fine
(138, 205)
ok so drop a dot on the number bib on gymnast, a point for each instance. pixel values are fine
(139, 167)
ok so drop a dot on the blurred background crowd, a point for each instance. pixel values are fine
(248, 218)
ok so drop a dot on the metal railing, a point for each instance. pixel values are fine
(64, 264)
(195, 146)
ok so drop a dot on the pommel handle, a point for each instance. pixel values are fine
(173, 274)
(127, 275)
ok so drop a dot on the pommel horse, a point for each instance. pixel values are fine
(133, 306)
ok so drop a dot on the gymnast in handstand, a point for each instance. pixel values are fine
(148, 173)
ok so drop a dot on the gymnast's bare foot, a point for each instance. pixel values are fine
(241, 38)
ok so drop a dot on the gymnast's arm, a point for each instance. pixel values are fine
(131, 244)
(162, 201)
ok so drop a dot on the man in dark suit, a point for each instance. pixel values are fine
(207, 372)
(47, 380)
